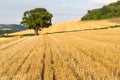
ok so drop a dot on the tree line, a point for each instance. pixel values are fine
(108, 11)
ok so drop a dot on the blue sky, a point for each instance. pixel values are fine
(11, 11)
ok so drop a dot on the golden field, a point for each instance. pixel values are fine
(81, 25)
(78, 55)
(7, 40)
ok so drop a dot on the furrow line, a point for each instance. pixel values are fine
(17, 63)
(25, 59)
(12, 54)
(11, 44)
(60, 64)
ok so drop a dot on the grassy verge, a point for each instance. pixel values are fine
(116, 26)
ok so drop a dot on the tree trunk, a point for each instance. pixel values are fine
(36, 31)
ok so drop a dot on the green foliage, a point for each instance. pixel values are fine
(110, 11)
(36, 19)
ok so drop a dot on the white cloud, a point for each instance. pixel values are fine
(103, 1)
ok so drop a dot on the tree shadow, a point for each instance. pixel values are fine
(28, 35)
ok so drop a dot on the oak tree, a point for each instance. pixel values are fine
(37, 19)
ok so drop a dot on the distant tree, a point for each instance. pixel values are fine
(37, 19)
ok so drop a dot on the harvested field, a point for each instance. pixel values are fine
(22, 33)
(81, 25)
(83, 55)
(7, 40)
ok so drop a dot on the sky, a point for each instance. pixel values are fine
(11, 11)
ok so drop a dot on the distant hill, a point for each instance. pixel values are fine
(10, 28)
(110, 11)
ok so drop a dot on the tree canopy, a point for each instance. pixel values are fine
(37, 19)
(110, 11)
